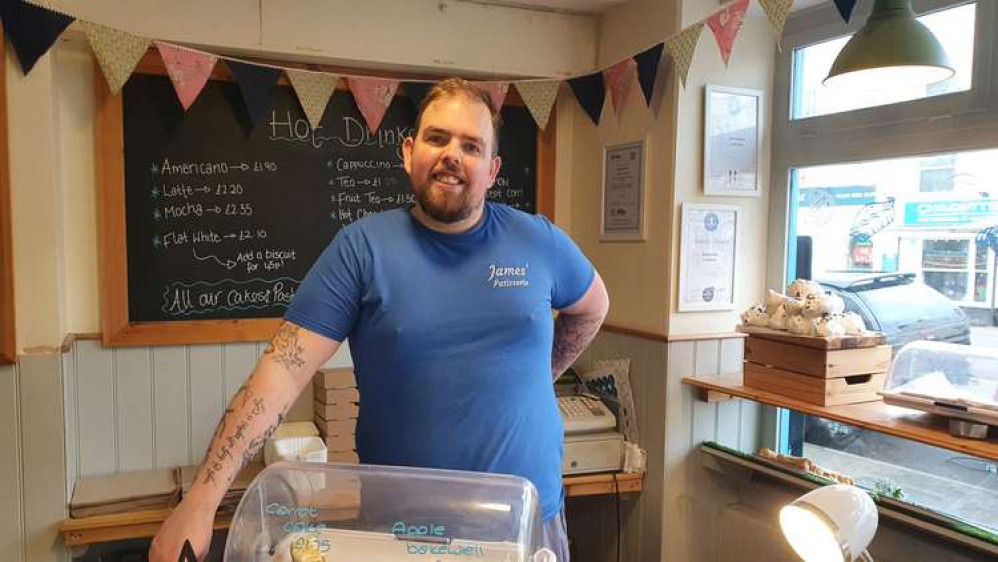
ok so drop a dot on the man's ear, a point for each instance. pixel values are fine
(407, 154)
(494, 168)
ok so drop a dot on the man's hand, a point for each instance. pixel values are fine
(188, 522)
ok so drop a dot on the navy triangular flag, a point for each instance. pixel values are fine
(256, 84)
(32, 30)
(416, 91)
(591, 92)
(648, 68)
(845, 8)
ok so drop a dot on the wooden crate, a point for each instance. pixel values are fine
(825, 363)
(814, 390)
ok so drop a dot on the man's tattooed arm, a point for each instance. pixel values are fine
(577, 325)
(258, 407)
(286, 349)
(572, 335)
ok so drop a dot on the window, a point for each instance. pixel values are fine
(954, 28)
(938, 174)
(898, 185)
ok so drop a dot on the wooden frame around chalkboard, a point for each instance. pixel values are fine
(116, 327)
(8, 336)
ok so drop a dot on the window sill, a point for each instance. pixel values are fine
(876, 416)
(744, 466)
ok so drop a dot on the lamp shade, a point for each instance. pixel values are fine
(830, 524)
(893, 49)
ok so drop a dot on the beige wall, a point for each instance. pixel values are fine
(440, 36)
(634, 272)
(750, 66)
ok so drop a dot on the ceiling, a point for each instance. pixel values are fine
(596, 6)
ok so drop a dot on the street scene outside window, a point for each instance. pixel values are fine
(910, 245)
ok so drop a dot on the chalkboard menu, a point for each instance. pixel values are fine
(223, 220)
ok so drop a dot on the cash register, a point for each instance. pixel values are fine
(591, 442)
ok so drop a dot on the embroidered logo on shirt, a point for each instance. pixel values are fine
(501, 276)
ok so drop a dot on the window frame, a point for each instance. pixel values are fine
(953, 122)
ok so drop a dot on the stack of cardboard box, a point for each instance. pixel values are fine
(336, 408)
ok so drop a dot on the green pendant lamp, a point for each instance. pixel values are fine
(893, 49)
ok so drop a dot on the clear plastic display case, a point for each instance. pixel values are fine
(957, 381)
(311, 512)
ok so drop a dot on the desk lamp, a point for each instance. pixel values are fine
(893, 49)
(830, 524)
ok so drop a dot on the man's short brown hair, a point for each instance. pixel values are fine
(449, 88)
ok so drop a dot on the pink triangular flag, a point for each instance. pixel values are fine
(373, 96)
(725, 25)
(496, 91)
(619, 78)
(189, 70)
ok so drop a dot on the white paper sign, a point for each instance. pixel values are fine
(623, 192)
(707, 262)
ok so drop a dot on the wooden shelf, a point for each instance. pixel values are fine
(877, 416)
(84, 531)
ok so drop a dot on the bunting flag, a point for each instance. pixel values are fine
(373, 96)
(314, 90)
(681, 48)
(647, 63)
(416, 91)
(725, 24)
(619, 78)
(117, 52)
(189, 70)
(845, 8)
(256, 83)
(539, 98)
(590, 92)
(496, 91)
(31, 29)
(777, 12)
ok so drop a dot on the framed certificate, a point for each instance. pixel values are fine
(708, 246)
(731, 134)
(623, 192)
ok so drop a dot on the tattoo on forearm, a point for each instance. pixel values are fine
(224, 446)
(285, 348)
(571, 336)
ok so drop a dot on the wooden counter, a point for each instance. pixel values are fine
(144, 524)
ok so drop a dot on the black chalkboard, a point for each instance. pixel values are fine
(224, 220)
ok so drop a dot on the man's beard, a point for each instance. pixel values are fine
(443, 207)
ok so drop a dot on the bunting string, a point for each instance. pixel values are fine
(32, 26)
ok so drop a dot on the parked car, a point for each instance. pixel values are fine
(902, 307)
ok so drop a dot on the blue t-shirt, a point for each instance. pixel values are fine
(451, 338)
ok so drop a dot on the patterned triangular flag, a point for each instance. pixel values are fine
(725, 25)
(496, 91)
(257, 84)
(777, 12)
(373, 96)
(416, 91)
(590, 92)
(314, 90)
(619, 78)
(647, 62)
(682, 46)
(845, 8)
(117, 52)
(189, 70)
(31, 29)
(539, 98)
